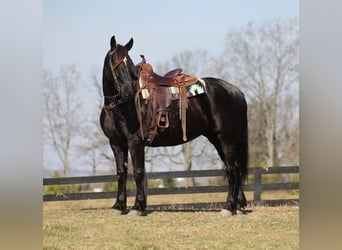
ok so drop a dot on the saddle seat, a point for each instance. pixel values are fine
(173, 78)
(160, 96)
(173, 73)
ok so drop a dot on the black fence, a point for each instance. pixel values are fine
(257, 187)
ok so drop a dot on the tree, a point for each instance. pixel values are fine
(95, 146)
(60, 111)
(196, 62)
(263, 60)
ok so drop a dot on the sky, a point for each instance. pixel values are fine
(79, 31)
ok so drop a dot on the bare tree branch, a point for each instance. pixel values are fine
(60, 105)
(263, 59)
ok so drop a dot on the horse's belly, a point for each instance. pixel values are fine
(196, 125)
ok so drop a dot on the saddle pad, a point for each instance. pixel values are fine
(195, 89)
(192, 90)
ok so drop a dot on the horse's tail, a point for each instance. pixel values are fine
(242, 156)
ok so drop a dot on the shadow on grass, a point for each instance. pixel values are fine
(174, 208)
(206, 207)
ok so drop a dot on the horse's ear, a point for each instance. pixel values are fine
(129, 45)
(112, 43)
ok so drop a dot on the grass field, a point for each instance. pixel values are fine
(92, 225)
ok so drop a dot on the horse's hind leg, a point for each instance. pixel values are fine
(236, 198)
(233, 183)
(121, 166)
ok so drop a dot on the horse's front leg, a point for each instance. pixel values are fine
(120, 154)
(138, 160)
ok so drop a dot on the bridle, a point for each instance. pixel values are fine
(116, 99)
(113, 67)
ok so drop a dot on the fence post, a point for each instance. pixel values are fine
(257, 184)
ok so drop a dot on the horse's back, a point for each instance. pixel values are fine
(221, 110)
(224, 91)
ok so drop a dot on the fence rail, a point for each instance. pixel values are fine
(257, 187)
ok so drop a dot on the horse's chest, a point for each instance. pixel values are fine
(109, 123)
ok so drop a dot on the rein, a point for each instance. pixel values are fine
(115, 102)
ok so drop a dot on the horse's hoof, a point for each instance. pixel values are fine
(226, 213)
(116, 211)
(135, 213)
(240, 211)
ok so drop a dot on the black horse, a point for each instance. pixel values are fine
(220, 115)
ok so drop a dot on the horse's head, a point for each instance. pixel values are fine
(119, 72)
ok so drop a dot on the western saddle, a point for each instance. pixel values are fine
(155, 89)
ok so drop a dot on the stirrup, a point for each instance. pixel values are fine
(163, 120)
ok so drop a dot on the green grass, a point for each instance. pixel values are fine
(100, 228)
